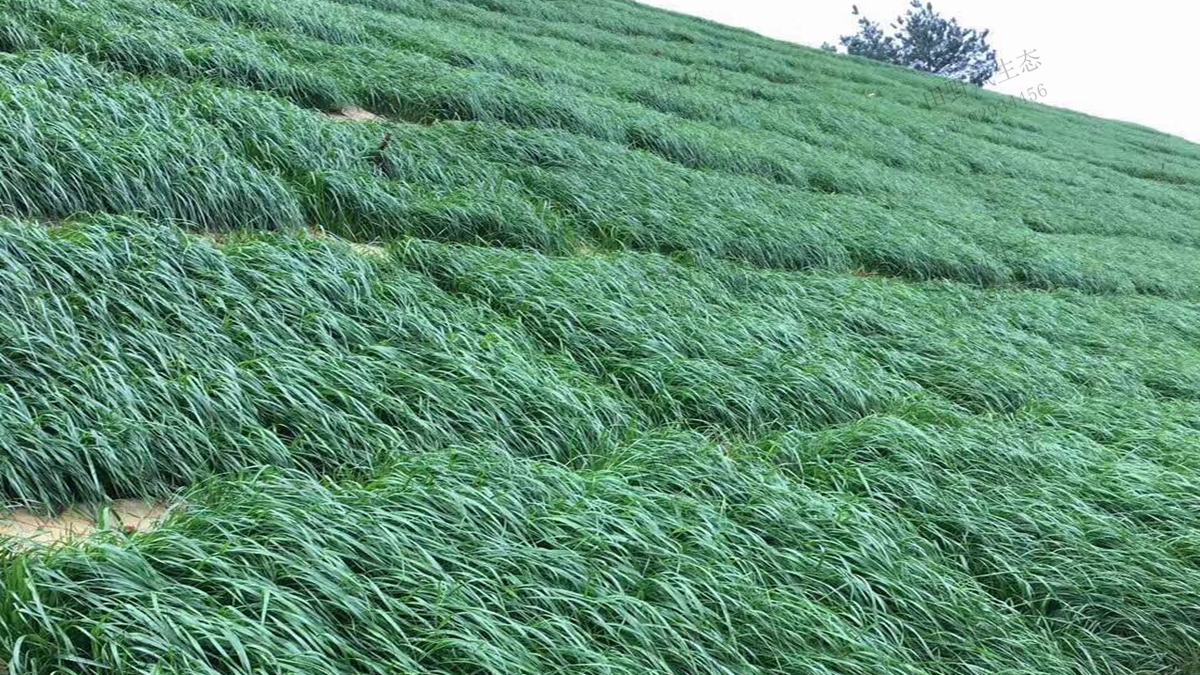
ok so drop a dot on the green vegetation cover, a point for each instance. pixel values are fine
(611, 341)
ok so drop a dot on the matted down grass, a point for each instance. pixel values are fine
(136, 358)
(601, 340)
(516, 126)
(495, 461)
(668, 557)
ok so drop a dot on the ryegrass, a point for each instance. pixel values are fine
(993, 488)
(669, 557)
(675, 350)
(685, 141)
(136, 359)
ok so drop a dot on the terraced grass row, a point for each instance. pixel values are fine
(135, 359)
(681, 350)
(713, 144)
(138, 357)
(874, 548)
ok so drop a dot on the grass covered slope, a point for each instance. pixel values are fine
(676, 350)
(543, 126)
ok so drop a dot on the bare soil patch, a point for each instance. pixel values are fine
(356, 114)
(370, 250)
(132, 515)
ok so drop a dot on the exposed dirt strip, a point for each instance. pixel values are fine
(132, 515)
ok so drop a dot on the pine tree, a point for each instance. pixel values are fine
(926, 41)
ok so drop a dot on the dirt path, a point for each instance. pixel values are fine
(75, 523)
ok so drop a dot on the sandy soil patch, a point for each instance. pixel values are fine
(369, 249)
(132, 515)
(356, 114)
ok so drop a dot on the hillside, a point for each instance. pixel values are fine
(535, 336)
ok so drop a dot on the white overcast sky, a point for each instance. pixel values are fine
(1121, 60)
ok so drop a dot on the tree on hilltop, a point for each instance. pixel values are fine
(925, 40)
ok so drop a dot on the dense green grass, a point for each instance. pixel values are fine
(678, 350)
(702, 139)
(871, 548)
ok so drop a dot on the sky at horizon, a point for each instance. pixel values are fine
(1096, 58)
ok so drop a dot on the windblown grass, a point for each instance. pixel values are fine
(136, 359)
(694, 138)
(668, 557)
(619, 342)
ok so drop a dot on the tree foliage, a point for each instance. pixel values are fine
(926, 41)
